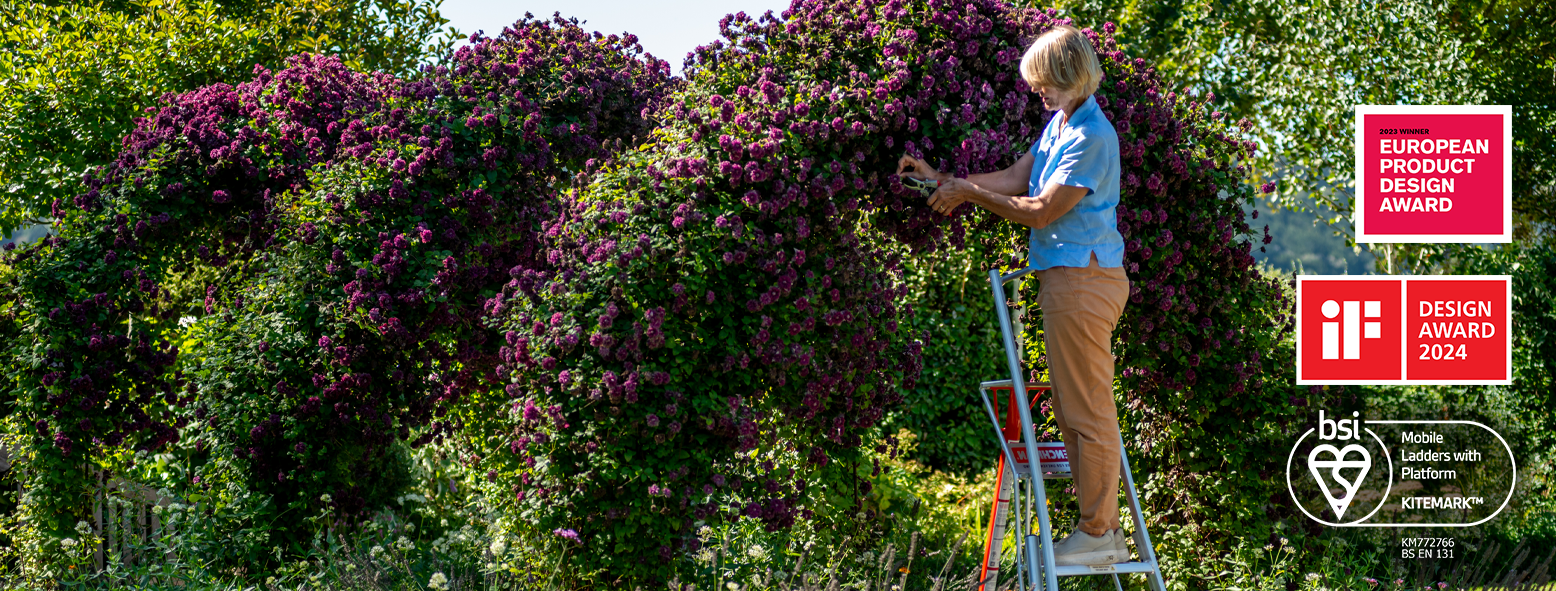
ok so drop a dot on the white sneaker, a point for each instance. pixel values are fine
(1080, 548)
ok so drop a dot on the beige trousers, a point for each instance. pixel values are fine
(1081, 307)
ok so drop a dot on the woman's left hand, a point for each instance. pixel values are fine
(952, 193)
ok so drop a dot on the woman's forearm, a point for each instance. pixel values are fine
(1003, 182)
(1010, 181)
(1033, 212)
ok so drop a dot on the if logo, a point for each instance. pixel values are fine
(1351, 328)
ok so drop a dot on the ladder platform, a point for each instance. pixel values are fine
(1105, 569)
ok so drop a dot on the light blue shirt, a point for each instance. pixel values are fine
(1082, 154)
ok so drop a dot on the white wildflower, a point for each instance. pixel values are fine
(376, 551)
(499, 546)
(705, 556)
(325, 498)
(1312, 576)
(67, 542)
(732, 586)
(83, 527)
(439, 581)
(757, 552)
(705, 533)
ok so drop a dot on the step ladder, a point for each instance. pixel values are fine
(1025, 497)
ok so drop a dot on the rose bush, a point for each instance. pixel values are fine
(731, 291)
(339, 235)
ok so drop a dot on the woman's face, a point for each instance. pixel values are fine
(1054, 99)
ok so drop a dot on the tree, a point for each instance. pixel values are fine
(1297, 68)
(73, 77)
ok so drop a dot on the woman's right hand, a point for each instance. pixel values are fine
(921, 170)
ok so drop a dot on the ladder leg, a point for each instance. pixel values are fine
(1117, 585)
(1142, 537)
(1018, 383)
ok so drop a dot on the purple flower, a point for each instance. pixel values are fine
(219, 196)
(652, 420)
(566, 534)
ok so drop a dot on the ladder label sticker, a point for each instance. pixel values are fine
(1102, 568)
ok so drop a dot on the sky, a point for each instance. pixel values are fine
(666, 28)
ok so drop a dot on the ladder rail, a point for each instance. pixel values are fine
(1143, 539)
(1028, 435)
(1010, 461)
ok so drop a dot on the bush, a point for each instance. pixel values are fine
(76, 74)
(345, 231)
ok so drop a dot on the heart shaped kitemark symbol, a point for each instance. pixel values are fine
(1334, 466)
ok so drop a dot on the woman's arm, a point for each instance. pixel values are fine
(1011, 181)
(1034, 212)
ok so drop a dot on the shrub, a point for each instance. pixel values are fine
(77, 74)
(345, 232)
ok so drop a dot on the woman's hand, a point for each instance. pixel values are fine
(921, 170)
(952, 193)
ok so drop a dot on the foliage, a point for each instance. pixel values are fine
(949, 292)
(1305, 245)
(345, 232)
(73, 76)
(1297, 68)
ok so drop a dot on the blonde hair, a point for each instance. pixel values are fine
(1062, 58)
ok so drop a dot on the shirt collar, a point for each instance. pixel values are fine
(1086, 111)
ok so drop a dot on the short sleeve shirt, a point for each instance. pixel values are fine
(1083, 153)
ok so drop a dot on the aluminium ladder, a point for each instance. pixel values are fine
(1027, 495)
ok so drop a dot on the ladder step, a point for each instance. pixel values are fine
(1025, 475)
(1106, 569)
(1007, 383)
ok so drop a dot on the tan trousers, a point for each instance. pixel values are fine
(1081, 307)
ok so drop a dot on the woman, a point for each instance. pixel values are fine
(1065, 189)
